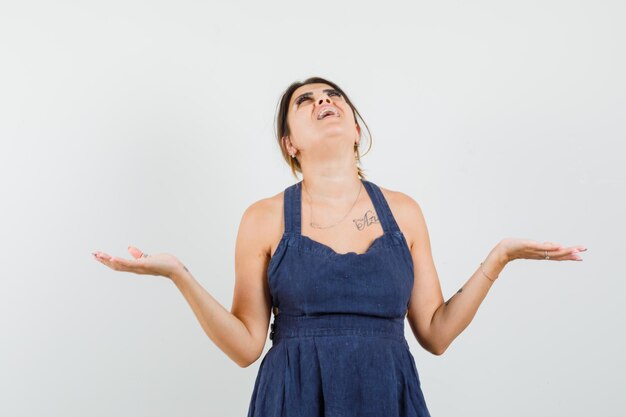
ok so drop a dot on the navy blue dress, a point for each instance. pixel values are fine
(338, 345)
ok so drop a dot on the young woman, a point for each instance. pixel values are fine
(341, 262)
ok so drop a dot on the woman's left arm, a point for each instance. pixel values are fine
(436, 323)
(449, 319)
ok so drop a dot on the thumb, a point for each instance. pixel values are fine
(551, 246)
(135, 252)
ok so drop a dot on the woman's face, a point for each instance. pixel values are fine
(334, 131)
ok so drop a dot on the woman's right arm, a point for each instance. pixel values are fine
(242, 332)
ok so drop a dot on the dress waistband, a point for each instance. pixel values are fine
(286, 326)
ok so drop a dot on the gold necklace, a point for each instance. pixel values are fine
(315, 225)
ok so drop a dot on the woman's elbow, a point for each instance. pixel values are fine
(435, 347)
(437, 351)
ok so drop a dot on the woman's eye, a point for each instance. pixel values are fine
(301, 99)
(330, 93)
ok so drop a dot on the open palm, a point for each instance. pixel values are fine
(530, 249)
(161, 264)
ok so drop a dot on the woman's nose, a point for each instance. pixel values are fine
(321, 100)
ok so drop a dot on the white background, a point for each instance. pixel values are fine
(151, 123)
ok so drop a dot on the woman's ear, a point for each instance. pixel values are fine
(288, 147)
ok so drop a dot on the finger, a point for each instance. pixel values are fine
(135, 252)
(101, 255)
(108, 263)
(551, 251)
(550, 246)
(567, 254)
(127, 265)
(567, 257)
(98, 257)
(577, 248)
(572, 250)
(574, 253)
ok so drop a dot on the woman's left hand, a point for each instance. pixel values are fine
(531, 249)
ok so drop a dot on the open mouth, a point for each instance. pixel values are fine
(328, 111)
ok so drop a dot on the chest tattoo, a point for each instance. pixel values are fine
(368, 218)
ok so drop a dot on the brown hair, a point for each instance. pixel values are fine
(282, 127)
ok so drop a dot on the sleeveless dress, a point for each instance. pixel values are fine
(338, 345)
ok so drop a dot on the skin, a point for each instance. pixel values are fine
(325, 150)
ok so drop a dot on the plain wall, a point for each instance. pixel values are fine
(151, 124)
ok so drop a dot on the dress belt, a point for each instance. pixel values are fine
(286, 326)
(276, 311)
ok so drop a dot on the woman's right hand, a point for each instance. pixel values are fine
(160, 264)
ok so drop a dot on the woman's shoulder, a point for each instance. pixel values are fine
(262, 221)
(402, 202)
(266, 207)
(266, 213)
